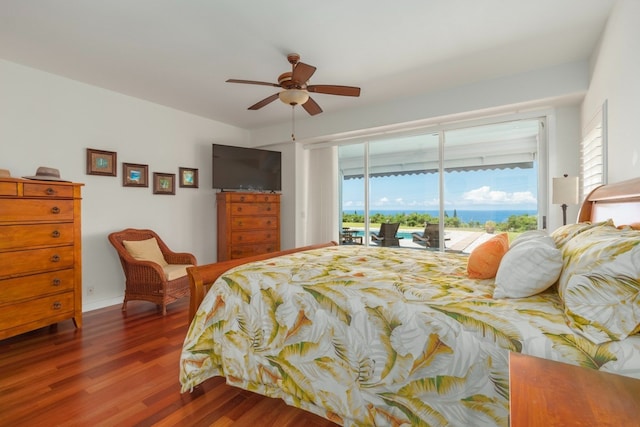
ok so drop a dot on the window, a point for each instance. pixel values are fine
(479, 180)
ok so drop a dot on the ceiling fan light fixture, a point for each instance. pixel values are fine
(294, 96)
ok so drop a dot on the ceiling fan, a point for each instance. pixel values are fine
(296, 88)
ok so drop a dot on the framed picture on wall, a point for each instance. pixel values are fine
(188, 177)
(100, 162)
(135, 175)
(164, 183)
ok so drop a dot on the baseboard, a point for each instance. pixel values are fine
(94, 305)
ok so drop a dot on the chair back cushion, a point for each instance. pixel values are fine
(145, 250)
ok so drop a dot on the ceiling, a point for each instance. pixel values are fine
(179, 53)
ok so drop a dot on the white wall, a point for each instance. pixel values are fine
(616, 78)
(564, 157)
(47, 120)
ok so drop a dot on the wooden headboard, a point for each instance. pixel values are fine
(620, 202)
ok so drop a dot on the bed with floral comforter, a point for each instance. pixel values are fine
(381, 336)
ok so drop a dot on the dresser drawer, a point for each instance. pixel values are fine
(8, 188)
(253, 222)
(24, 236)
(258, 236)
(52, 306)
(27, 287)
(242, 251)
(35, 261)
(253, 208)
(47, 190)
(36, 210)
(253, 198)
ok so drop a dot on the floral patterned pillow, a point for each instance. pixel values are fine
(563, 234)
(600, 283)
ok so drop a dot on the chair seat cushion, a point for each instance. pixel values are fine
(175, 271)
(145, 250)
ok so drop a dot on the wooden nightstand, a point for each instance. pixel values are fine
(548, 393)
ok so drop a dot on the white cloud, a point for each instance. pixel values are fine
(353, 205)
(484, 195)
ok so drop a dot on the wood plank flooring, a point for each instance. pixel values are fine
(121, 369)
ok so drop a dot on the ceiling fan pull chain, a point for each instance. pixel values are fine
(293, 123)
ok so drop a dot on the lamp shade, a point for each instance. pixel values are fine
(565, 190)
(294, 96)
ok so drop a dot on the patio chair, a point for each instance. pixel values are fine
(430, 237)
(387, 235)
(152, 271)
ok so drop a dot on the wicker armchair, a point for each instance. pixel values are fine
(148, 280)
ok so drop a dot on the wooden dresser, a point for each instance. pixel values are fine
(40, 254)
(248, 224)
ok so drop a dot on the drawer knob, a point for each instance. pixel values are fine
(57, 305)
(55, 258)
(55, 234)
(239, 238)
(242, 198)
(56, 282)
(268, 222)
(50, 191)
(239, 209)
(240, 223)
(268, 236)
(269, 209)
(55, 210)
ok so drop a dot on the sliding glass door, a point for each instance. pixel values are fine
(454, 188)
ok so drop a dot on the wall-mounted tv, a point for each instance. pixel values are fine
(246, 169)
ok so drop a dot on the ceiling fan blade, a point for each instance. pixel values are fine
(253, 82)
(264, 102)
(312, 107)
(302, 73)
(335, 90)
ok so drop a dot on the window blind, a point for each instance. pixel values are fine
(593, 152)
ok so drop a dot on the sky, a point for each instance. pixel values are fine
(498, 189)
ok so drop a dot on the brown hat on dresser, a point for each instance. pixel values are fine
(4, 173)
(46, 174)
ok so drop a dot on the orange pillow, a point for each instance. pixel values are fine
(485, 259)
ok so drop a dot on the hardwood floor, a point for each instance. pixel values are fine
(122, 370)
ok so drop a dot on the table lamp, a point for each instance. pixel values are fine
(565, 192)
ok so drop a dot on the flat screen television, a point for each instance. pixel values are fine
(246, 169)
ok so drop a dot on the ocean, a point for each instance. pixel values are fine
(465, 216)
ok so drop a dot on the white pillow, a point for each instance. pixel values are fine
(531, 235)
(528, 269)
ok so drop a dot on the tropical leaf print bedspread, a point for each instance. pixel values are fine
(380, 336)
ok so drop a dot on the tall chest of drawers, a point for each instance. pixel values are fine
(40, 254)
(248, 224)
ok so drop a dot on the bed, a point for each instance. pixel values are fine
(389, 336)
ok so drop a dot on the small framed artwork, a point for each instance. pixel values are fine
(101, 162)
(164, 183)
(188, 177)
(135, 175)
